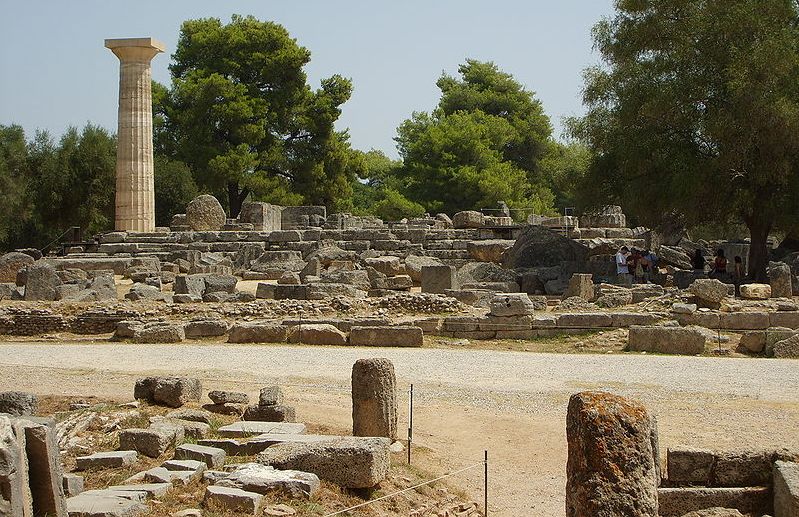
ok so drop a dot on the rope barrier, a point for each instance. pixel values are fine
(367, 503)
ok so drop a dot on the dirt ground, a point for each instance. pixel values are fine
(511, 403)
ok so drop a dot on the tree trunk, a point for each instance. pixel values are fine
(236, 198)
(758, 249)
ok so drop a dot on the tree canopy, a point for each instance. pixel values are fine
(482, 144)
(696, 108)
(240, 113)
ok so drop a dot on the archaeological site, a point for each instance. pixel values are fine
(221, 308)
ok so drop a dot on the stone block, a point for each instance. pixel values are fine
(257, 333)
(665, 340)
(755, 291)
(689, 467)
(586, 320)
(374, 399)
(263, 479)
(628, 319)
(511, 304)
(169, 391)
(754, 342)
(205, 328)
(709, 292)
(674, 502)
(490, 250)
(41, 283)
(152, 442)
(744, 320)
(106, 460)
(399, 336)
(43, 466)
(276, 413)
(253, 428)
(349, 462)
(233, 499)
(271, 396)
(174, 477)
(205, 213)
(788, 319)
(787, 348)
(580, 285)
(213, 457)
(780, 280)
(105, 503)
(228, 397)
(18, 403)
(438, 278)
(317, 334)
(786, 489)
(72, 484)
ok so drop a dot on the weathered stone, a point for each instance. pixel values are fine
(665, 340)
(744, 320)
(709, 292)
(275, 413)
(189, 284)
(41, 283)
(393, 283)
(349, 462)
(316, 334)
(289, 278)
(205, 328)
(139, 291)
(106, 503)
(11, 263)
(755, 291)
(787, 348)
(491, 250)
(415, 263)
(15, 497)
(205, 213)
(252, 428)
(538, 246)
(257, 333)
(228, 397)
(786, 489)
(72, 484)
(402, 336)
(152, 442)
(754, 342)
(715, 512)
(263, 479)
(233, 499)
(781, 280)
(18, 403)
(438, 278)
(174, 477)
(271, 396)
(374, 398)
(468, 219)
(676, 502)
(612, 467)
(585, 320)
(43, 466)
(511, 304)
(689, 466)
(177, 391)
(213, 457)
(683, 308)
(109, 459)
(159, 332)
(580, 285)
(388, 265)
(615, 299)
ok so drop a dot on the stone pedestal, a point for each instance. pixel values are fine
(135, 192)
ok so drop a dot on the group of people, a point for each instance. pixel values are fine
(635, 266)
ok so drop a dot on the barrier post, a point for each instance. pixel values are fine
(410, 422)
(485, 484)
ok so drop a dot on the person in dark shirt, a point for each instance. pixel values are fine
(719, 270)
(698, 261)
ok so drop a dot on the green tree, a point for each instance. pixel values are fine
(566, 164)
(241, 114)
(13, 180)
(483, 144)
(696, 109)
(174, 188)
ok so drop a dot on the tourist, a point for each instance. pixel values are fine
(650, 265)
(698, 261)
(622, 269)
(635, 264)
(719, 269)
(738, 274)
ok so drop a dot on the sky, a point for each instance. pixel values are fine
(55, 72)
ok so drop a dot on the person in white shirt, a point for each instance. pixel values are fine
(622, 269)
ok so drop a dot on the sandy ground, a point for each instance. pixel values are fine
(509, 403)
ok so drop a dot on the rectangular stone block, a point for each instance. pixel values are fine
(786, 489)
(233, 499)
(744, 320)
(788, 319)
(628, 319)
(15, 497)
(44, 467)
(252, 428)
(585, 320)
(437, 279)
(109, 459)
(400, 336)
(675, 502)
(73, 484)
(665, 340)
(703, 319)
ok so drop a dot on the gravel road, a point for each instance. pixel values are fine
(511, 403)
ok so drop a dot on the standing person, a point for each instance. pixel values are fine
(635, 265)
(650, 266)
(622, 269)
(738, 274)
(698, 261)
(719, 270)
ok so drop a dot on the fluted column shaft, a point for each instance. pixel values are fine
(135, 190)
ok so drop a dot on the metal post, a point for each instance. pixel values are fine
(410, 422)
(485, 485)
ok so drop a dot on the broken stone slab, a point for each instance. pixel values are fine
(786, 488)
(169, 391)
(187, 465)
(73, 484)
(39, 463)
(755, 291)
(212, 456)
(263, 479)
(276, 413)
(252, 428)
(257, 333)
(270, 396)
(786, 348)
(234, 499)
(665, 340)
(105, 503)
(174, 477)
(709, 292)
(675, 502)
(349, 462)
(317, 334)
(399, 336)
(228, 397)
(511, 304)
(190, 415)
(152, 442)
(18, 403)
(106, 460)
(205, 328)
(15, 494)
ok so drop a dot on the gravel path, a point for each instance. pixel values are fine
(511, 403)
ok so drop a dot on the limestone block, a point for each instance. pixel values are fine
(276, 413)
(152, 442)
(781, 280)
(580, 285)
(257, 333)
(18, 403)
(755, 291)
(437, 278)
(213, 457)
(511, 304)
(205, 328)
(205, 213)
(585, 320)
(233, 499)
(676, 502)
(374, 398)
(270, 396)
(263, 479)
(317, 334)
(252, 428)
(490, 250)
(42, 280)
(400, 336)
(709, 292)
(109, 459)
(665, 340)
(786, 489)
(468, 219)
(228, 397)
(787, 348)
(11, 263)
(744, 320)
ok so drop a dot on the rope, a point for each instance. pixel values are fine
(405, 490)
(56, 240)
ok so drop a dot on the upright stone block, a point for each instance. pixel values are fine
(135, 191)
(786, 489)
(437, 279)
(44, 467)
(612, 466)
(374, 398)
(14, 496)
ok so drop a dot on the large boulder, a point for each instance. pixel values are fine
(374, 398)
(349, 462)
(42, 281)
(612, 466)
(709, 292)
(539, 246)
(11, 263)
(511, 304)
(780, 279)
(468, 219)
(205, 213)
(169, 391)
(491, 250)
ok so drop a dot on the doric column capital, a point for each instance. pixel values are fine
(135, 50)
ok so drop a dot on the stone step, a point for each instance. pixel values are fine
(252, 428)
(674, 502)
(234, 499)
(108, 460)
(212, 456)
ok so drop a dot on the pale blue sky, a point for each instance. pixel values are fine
(56, 73)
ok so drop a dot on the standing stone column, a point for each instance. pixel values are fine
(135, 191)
(374, 398)
(613, 465)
